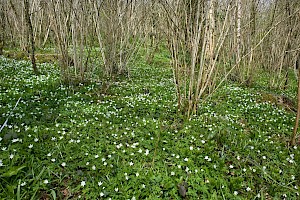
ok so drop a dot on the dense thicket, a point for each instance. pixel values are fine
(210, 41)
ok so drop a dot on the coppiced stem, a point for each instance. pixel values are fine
(294, 135)
(30, 36)
(195, 46)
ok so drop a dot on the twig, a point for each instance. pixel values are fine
(5, 123)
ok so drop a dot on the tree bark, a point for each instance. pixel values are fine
(2, 27)
(30, 36)
(293, 138)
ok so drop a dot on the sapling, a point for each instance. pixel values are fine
(293, 138)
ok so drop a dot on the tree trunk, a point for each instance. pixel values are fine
(238, 35)
(2, 27)
(252, 56)
(30, 36)
(293, 138)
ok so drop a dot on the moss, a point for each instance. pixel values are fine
(279, 100)
(268, 97)
(40, 58)
(18, 55)
(47, 58)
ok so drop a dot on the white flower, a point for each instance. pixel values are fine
(133, 198)
(49, 154)
(137, 174)
(238, 158)
(258, 195)
(30, 146)
(131, 163)
(23, 184)
(96, 156)
(172, 173)
(230, 166)
(0, 139)
(15, 140)
(103, 159)
(87, 163)
(101, 194)
(179, 166)
(94, 167)
(248, 189)
(235, 193)
(177, 156)
(36, 139)
(100, 183)
(264, 157)
(244, 170)
(63, 164)
(143, 186)
(82, 183)
(116, 189)
(53, 159)
(147, 152)
(11, 156)
(191, 148)
(186, 159)
(203, 141)
(45, 181)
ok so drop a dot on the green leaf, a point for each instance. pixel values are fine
(19, 191)
(53, 194)
(13, 171)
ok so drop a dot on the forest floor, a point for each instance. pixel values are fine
(71, 142)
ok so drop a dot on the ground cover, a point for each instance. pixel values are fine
(71, 142)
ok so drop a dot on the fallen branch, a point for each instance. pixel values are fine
(5, 123)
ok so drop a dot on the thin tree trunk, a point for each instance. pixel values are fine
(30, 36)
(293, 138)
(251, 63)
(238, 37)
(2, 27)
